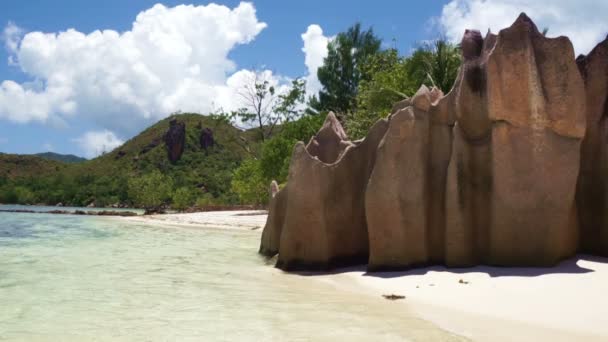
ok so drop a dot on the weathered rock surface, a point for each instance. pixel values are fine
(520, 117)
(324, 223)
(274, 225)
(592, 195)
(330, 142)
(487, 174)
(175, 139)
(397, 196)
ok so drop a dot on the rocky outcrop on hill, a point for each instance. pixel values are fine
(486, 174)
(592, 195)
(206, 138)
(175, 139)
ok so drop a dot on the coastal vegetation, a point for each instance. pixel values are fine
(191, 160)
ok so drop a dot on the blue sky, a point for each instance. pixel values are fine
(73, 106)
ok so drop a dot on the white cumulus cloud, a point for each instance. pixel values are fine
(315, 50)
(583, 21)
(172, 58)
(94, 143)
(11, 36)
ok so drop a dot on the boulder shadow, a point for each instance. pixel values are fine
(568, 266)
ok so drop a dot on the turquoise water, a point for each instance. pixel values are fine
(76, 278)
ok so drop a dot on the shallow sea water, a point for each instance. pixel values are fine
(75, 278)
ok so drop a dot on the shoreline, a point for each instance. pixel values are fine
(117, 213)
(253, 220)
(562, 303)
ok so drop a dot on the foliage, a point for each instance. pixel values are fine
(360, 81)
(65, 158)
(389, 82)
(439, 61)
(249, 184)
(264, 107)
(104, 180)
(341, 71)
(252, 179)
(150, 191)
(182, 198)
(289, 104)
(392, 78)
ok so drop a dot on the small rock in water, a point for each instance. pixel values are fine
(393, 297)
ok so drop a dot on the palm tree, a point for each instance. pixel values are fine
(436, 64)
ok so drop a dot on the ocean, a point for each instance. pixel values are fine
(82, 278)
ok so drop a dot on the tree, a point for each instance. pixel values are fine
(249, 184)
(182, 198)
(150, 191)
(341, 71)
(265, 107)
(392, 78)
(251, 180)
(436, 64)
(258, 97)
(290, 103)
(389, 82)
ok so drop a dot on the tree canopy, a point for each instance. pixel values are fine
(341, 71)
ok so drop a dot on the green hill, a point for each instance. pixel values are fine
(15, 166)
(64, 158)
(212, 149)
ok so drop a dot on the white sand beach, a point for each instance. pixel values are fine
(236, 219)
(564, 303)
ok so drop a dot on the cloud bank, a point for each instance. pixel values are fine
(94, 143)
(583, 21)
(315, 51)
(171, 59)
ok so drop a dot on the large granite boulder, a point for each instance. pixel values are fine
(271, 235)
(592, 195)
(484, 175)
(397, 195)
(513, 171)
(324, 223)
(175, 140)
(330, 142)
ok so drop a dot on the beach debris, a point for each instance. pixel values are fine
(393, 297)
(463, 282)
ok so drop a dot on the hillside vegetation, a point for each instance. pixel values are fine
(65, 158)
(190, 159)
(205, 172)
(14, 166)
